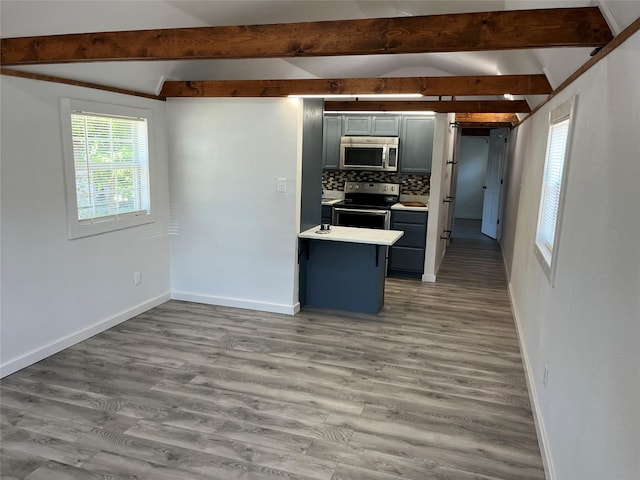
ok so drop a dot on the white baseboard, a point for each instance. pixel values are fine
(237, 303)
(429, 277)
(41, 353)
(541, 432)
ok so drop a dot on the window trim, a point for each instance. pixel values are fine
(561, 113)
(82, 228)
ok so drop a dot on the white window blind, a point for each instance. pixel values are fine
(551, 187)
(107, 166)
(111, 166)
(553, 180)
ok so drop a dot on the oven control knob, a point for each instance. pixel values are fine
(357, 187)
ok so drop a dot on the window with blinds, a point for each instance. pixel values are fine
(108, 169)
(111, 162)
(553, 181)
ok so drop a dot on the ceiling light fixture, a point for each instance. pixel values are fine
(369, 112)
(358, 95)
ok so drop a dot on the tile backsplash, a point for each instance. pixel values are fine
(409, 184)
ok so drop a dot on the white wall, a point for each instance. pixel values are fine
(233, 236)
(443, 144)
(472, 170)
(56, 291)
(586, 327)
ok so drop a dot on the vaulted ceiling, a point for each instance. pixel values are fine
(458, 57)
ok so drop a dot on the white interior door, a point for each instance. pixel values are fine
(492, 186)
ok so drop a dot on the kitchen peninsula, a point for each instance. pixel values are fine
(345, 268)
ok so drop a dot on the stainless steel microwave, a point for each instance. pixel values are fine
(369, 153)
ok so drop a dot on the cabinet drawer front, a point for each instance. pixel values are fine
(408, 217)
(414, 235)
(407, 259)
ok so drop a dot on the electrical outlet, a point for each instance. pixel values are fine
(282, 185)
(137, 279)
(545, 377)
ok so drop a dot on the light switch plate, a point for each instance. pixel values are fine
(282, 185)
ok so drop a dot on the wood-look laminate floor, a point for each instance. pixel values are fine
(468, 229)
(431, 388)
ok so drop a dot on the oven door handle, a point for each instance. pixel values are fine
(368, 212)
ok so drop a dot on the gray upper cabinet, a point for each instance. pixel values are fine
(331, 133)
(387, 126)
(416, 144)
(357, 124)
(415, 132)
(377, 126)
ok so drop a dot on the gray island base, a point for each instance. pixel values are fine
(344, 269)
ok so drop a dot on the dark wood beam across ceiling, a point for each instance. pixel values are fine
(504, 30)
(445, 106)
(491, 120)
(78, 83)
(427, 86)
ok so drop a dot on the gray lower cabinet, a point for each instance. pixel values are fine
(416, 144)
(406, 256)
(331, 133)
(342, 275)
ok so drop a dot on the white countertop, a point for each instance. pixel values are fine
(370, 236)
(331, 201)
(400, 206)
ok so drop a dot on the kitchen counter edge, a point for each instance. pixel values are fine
(369, 236)
(400, 206)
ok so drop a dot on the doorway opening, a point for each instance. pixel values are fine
(478, 183)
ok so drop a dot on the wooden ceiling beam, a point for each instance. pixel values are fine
(77, 83)
(504, 30)
(486, 119)
(445, 106)
(427, 86)
(486, 125)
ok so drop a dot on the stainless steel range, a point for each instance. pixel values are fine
(366, 205)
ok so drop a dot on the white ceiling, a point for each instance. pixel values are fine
(27, 18)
